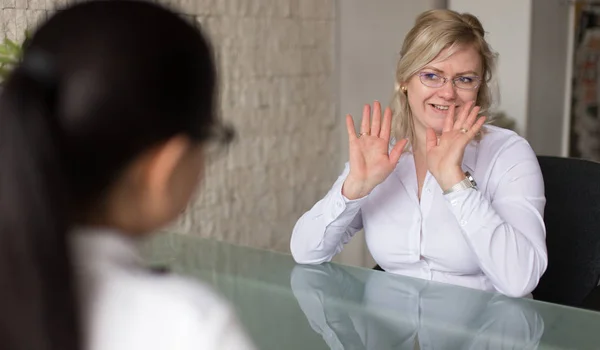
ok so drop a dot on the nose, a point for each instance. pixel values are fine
(447, 91)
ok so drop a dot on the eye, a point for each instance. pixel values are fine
(431, 76)
(466, 80)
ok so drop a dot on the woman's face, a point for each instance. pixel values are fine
(429, 105)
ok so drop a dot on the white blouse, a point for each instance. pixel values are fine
(126, 306)
(491, 238)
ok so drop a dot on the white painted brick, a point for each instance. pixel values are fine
(316, 61)
(246, 153)
(185, 7)
(20, 24)
(284, 61)
(263, 8)
(20, 4)
(316, 9)
(56, 4)
(317, 33)
(34, 18)
(36, 4)
(9, 23)
(283, 33)
(8, 3)
(205, 7)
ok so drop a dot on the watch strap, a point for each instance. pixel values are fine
(466, 183)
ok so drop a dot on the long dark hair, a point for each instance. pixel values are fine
(100, 82)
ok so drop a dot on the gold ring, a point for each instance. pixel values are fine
(463, 130)
(362, 133)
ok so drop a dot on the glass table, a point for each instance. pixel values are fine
(288, 306)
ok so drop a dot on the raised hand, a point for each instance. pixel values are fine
(370, 162)
(445, 152)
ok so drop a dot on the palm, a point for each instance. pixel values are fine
(369, 159)
(370, 162)
(445, 152)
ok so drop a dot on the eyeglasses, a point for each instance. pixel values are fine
(462, 82)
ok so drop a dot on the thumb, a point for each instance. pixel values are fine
(431, 139)
(397, 151)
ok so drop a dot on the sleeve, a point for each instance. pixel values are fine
(507, 233)
(321, 232)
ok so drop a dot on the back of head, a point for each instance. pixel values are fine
(100, 82)
(434, 31)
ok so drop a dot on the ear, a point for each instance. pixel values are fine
(157, 174)
(163, 162)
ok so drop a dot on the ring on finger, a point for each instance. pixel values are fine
(363, 133)
(464, 130)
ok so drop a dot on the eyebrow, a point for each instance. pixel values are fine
(458, 74)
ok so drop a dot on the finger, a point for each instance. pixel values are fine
(462, 117)
(431, 139)
(350, 128)
(397, 151)
(365, 126)
(386, 127)
(471, 119)
(462, 142)
(476, 127)
(376, 125)
(449, 118)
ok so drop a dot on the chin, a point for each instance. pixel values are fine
(437, 127)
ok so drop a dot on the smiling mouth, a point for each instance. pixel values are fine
(441, 107)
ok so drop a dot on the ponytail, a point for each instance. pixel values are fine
(37, 290)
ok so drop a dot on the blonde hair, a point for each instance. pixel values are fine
(434, 31)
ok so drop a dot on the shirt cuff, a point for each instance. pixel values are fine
(353, 201)
(461, 205)
(457, 198)
(342, 206)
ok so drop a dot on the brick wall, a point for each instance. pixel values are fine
(277, 83)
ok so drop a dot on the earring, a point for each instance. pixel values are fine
(404, 89)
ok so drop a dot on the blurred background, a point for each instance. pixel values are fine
(291, 69)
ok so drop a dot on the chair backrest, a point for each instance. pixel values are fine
(572, 217)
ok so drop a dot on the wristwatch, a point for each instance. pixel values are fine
(467, 182)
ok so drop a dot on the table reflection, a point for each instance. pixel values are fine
(409, 313)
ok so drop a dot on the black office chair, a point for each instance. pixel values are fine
(572, 218)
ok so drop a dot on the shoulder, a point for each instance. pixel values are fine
(150, 311)
(503, 155)
(498, 144)
(496, 138)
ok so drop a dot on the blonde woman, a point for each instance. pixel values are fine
(451, 200)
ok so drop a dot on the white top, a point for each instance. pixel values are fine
(126, 306)
(492, 238)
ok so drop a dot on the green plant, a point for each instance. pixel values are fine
(10, 55)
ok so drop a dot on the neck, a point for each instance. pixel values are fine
(419, 143)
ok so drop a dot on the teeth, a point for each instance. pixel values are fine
(443, 108)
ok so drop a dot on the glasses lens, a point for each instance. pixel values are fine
(466, 82)
(431, 79)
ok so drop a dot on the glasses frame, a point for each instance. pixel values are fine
(445, 80)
